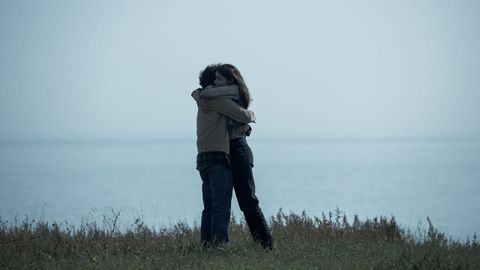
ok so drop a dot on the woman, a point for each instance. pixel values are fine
(241, 157)
(213, 161)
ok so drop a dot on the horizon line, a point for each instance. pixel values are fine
(263, 138)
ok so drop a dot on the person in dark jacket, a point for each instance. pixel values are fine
(230, 83)
(213, 163)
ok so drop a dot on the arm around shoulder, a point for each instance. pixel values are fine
(230, 91)
(231, 109)
(196, 94)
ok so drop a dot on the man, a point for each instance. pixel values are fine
(213, 160)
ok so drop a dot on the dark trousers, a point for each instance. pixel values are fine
(217, 185)
(241, 160)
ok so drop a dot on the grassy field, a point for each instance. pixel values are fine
(301, 242)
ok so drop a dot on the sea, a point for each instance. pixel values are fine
(75, 182)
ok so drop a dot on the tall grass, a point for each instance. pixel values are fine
(301, 242)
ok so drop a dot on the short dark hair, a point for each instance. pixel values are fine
(207, 76)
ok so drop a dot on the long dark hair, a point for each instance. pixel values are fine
(230, 72)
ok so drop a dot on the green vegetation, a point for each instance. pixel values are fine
(301, 242)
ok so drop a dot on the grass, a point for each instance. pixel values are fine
(301, 242)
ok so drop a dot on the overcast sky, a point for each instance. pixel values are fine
(125, 69)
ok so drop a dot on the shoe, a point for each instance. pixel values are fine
(267, 245)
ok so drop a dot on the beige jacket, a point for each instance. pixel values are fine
(232, 93)
(212, 132)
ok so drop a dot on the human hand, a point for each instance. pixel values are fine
(244, 129)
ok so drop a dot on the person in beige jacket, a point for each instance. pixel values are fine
(213, 161)
(229, 83)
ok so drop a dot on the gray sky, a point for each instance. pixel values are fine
(125, 69)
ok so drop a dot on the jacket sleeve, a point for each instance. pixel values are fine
(196, 94)
(230, 91)
(231, 109)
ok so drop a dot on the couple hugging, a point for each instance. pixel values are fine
(224, 159)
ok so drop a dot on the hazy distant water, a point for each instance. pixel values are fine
(157, 180)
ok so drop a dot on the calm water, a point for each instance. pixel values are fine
(77, 181)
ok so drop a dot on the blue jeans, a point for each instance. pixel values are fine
(217, 186)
